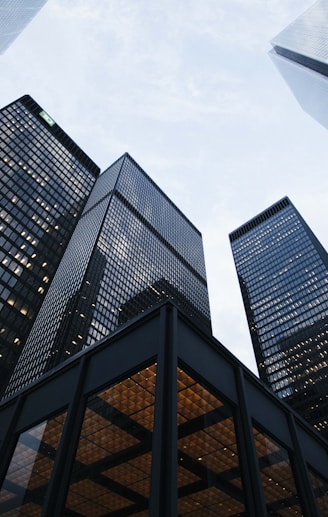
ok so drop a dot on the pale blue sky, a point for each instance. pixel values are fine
(187, 88)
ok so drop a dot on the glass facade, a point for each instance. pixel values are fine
(45, 182)
(15, 15)
(29, 472)
(158, 419)
(277, 477)
(283, 274)
(307, 34)
(112, 466)
(320, 489)
(209, 474)
(301, 55)
(131, 249)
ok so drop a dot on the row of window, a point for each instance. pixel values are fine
(44, 187)
(161, 213)
(287, 217)
(276, 261)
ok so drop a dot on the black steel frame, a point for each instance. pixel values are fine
(164, 335)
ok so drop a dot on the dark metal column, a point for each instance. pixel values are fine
(301, 474)
(255, 502)
(163, 501)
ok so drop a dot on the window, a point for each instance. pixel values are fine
(29, 472)
(112, 466)
(209, 476)
(277, 478)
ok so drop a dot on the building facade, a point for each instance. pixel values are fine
(283, 275)
(14, 16)
(45, 182)
(300, 52)
(174, 426)
(132, 248)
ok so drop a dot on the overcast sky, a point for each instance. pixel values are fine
(187, 88)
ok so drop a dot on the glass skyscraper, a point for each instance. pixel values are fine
(132, 248)
(283, 274)
(300, 53)
(14, 16)
(45, 182)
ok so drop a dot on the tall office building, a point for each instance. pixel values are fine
(15, 15)
(45, 182)
(132, 247)
(300, 53)
(283, 274)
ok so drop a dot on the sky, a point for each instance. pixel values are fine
(188, 89)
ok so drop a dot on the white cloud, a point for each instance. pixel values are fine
(187, 88)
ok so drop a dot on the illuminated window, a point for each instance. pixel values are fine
(113, 460)
(209, 476)
(277, 478)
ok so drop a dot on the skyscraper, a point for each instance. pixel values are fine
(300, 53)
(14, 16)
(132, 247)
(45, 181)
(283, 275)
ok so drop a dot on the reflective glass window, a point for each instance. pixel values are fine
(209, 475)
(277, 477)
(320, 489)
(28, 475)
(111, 471)
(45, 187)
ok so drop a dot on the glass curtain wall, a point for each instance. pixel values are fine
(29, 472)
(209, 474)
(112, 453)
(112, 466)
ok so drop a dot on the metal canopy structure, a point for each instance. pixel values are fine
(158, 419)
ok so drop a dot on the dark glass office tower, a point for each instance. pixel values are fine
(45, 182)
(300, 53)
(132, 248)
(283, 275)
(15, 15)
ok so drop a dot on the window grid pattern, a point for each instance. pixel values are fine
(118, 264)
(15, 15)
(43, 190)
(283, 274)
(159, 211)
(209, 475)
(307, 34)
(137, 278)
(112, 466)
(57, 311)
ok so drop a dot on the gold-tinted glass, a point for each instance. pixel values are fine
(29, 472)
(277, 477)
(209, 476)
(320, 489)
(112, 465)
